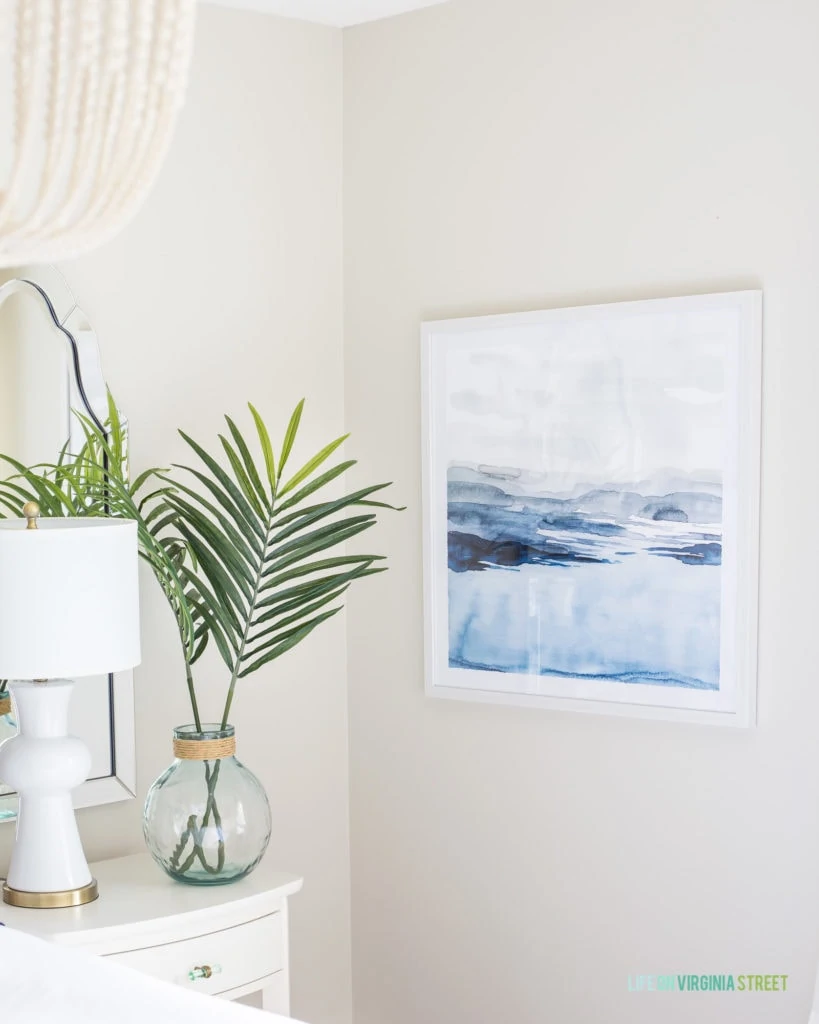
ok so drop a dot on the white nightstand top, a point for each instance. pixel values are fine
(140, 905)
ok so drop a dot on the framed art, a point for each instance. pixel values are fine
(591, 507)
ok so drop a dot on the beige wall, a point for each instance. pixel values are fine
(517, 866)
(227, 287)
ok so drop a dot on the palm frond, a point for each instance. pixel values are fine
(266, 575)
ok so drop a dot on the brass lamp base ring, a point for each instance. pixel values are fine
(51, 900)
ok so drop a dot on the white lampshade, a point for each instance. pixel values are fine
(69, 603)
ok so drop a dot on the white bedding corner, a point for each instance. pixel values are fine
(47, 984)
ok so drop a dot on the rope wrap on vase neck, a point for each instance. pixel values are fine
(204, 750)
(5, 705)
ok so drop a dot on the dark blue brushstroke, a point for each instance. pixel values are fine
(488, 535)
(468, 553)
(669, 514)
(579, 524)
(496, 523)
(636, 676)
(692, 554)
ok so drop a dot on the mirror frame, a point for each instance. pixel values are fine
(87, 386)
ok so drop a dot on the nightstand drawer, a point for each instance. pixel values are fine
(215, 962)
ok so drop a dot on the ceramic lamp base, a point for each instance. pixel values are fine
(43, 764)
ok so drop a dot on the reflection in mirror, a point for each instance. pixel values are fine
(48, 369)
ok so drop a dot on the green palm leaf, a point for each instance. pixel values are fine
(267, 449)
(260, 587)
(290, 435)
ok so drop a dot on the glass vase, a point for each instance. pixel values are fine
(207, 818)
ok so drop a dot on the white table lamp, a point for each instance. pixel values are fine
(69, 607)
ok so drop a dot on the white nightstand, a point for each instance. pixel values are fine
(225, 940)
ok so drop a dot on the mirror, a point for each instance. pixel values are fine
(49, 366)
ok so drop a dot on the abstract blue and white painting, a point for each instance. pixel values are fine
(587, 478)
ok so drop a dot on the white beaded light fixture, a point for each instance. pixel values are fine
(92, 89)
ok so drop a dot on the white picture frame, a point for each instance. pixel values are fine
(686, 339)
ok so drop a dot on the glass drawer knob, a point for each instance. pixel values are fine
(205, 971)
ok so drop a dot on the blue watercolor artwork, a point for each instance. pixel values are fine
(584, 500)
(610, 583)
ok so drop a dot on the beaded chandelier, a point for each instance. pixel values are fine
(89, 94)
